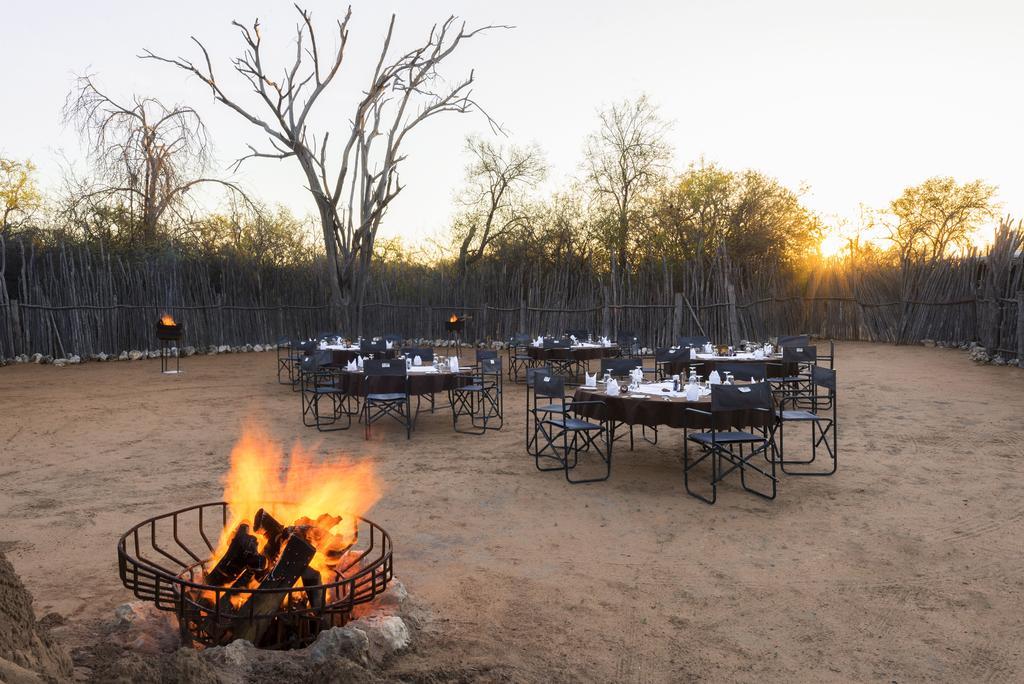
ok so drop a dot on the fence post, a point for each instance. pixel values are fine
(522, 317)
(1020, 329)
(677, 318)
(734, 320)
(15, 327)
(605, 315)
(483, 324)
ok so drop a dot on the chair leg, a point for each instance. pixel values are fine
(688, 466)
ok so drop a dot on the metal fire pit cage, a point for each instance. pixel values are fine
(455, 329)
(161, 560)
(167, 334)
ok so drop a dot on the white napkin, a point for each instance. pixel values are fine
(573, 338)
(637, 374)
(359, 361)
(388, 344)
(714, 378)
(352, 365)
(693, 353)
(612, 388)
(323, 344)
(591, 380)
(417, 361)
(708, 349)
(692, 392)
(453, 364)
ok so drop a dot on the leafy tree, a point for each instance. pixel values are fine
(939, 216)
(20, 198)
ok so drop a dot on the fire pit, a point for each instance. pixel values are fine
(455, 325)
(168, 332)
(276, 579)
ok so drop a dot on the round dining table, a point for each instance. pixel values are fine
(577, 352)
(421, 380)
(655, 404)
(774, 365)
(340, 354)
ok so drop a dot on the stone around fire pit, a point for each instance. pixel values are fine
(27, 652)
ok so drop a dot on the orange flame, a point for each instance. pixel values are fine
(167, 319)
(453, 319)
(305, 492)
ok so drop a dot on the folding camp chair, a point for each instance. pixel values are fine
(697, 341)
(536, 411)
(733, 407)
(822, 416)
(382, 401)
(481, 400)
(316, 383)
(562, 438)
(743, 370)
(518, 355)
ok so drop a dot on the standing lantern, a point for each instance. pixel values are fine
(168, 332)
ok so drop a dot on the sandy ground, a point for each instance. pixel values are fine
(905, 566)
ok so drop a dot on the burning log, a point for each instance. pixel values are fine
(242, 554)
(294, 561)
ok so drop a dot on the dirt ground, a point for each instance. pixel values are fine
(905, 566)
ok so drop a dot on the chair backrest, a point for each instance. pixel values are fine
(799, 354)
(556, 343)
(394, 338)
(384, 367)
(824, 377)
(578, 334)
(426, 354)
(532, 373)
(692, 340)
(284, 342)
(549, 385)
(666, 354)
(742, 370)
(310, 363)
(372, 346)
(793, 341)
(741, 397)
(482, 354)
(490, 366)
(520, 339)
(620, 367)
(307, 346)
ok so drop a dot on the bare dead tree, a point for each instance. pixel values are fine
(352, 188)
(145, 155)
(495, 199)
(625, 158)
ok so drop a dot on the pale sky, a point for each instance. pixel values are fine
(856, 100)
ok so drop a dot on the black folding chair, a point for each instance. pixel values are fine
(518, 355)
(830, 357)
(822, 415)
(536, 411)
(287, 357)
(784, 341)
(317, 382)
(562, 363)
(372, 348)
(750, 371)
(629, 344)
(733, 407)
(395, 340)
(481, 400)
(579, 334)
(300, 350)
(426, 354)
(383, 401)
(563, 438)
(666, 355)
(697, 341)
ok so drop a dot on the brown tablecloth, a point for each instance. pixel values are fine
(572, 353)
(419, 383)
(657, 411)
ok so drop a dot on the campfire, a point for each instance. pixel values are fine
(293, 555)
